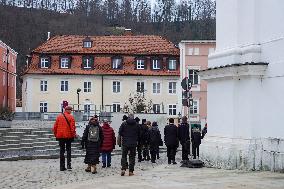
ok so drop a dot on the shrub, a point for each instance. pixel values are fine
(6, 114)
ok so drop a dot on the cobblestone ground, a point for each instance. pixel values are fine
(45, 174)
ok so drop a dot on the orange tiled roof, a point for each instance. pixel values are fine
(128, 44)
(104, 47)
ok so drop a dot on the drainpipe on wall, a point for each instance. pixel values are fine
(102, 92)
(7, 79)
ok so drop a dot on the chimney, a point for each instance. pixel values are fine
(48, 36)
(128, 32)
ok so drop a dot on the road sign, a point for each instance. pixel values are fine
(186, 84)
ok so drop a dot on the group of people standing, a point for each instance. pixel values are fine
(145, 138)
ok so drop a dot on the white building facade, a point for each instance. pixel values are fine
(245, 87)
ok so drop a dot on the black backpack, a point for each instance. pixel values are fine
(94, 133)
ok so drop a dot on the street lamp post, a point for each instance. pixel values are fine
(78, 91)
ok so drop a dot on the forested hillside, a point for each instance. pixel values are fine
(24, 23)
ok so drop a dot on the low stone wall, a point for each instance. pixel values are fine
(248, 154)
(32, 124)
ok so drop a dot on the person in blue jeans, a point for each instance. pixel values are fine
(108, 143)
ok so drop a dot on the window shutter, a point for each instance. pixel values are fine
(82, 65)
(69, 61)
(151, 63)
(145, 63)
(39, 65)
(49, 62)
(92, 62)
(160, 63)
(135, 63)
(168, 63)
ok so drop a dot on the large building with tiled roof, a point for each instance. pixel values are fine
(107, 69)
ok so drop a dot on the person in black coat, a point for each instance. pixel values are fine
(183, 135)
(144, 137)
(171, 140)
(129, 131)
(92, 148)
(155, 141)
(195, 139)
(139, 146)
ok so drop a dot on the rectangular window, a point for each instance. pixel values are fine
(87, 44)
(43, 85)
(44, 62)
(140, 86)
(43, 106)
(156, 88)
(87, 108)
(116, 63)
(193, 77)
(156, 64)
(116, 107)
(87, 63)
(196, 51)
(64, 62)
(194, 108)
(172, 64)
(190, 51)
(87, 86)
(172, 109)
(140, 64)
(64, 86)
(156, 108)
(172, 87)
(116, 86)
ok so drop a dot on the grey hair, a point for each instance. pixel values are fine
(131, 116)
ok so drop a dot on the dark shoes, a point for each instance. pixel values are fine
(69, 167)
(88, 169)
(109, 165)
(63, 169)
(122, 172)
(174, 162)
(131, 173)
(104, 166)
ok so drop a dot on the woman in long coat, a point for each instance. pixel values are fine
(92, 148)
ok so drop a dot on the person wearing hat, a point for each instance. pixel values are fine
(65, 131)
(108, 143)
(92, 139)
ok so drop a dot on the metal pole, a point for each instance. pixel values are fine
(78, 102)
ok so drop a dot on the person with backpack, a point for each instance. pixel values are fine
(183, 135)
(155, 141)
(65, 131)
(92, 139)
(129, 131)
(109, 143)
(171, 140)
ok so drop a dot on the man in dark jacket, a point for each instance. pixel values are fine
(129, 131)
(171, 140)
(154, 141)
(139, 146)
(183, 135)
(195, 139)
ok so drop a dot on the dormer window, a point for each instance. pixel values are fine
(116, 63)
(172, 64)
(44, 62)
(88, 62)
(140, 64)
(156, 64)
(64, 62)
(87, 42)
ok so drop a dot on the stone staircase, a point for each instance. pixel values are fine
(31, 142)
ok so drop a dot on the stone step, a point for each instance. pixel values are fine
(16, 133)
(47, 148)
(10, 141)
(10, 137)
(30, 136)
(5, 146)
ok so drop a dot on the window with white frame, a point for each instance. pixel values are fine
(87, 44)
(172, 109)
(87, 108)
(156, 64)
(43, 85)
(116, 63)
(115, 107)
(87, 86)
(64, 62)
(194, 109)
(172, 87)
(43, 106)
(140, 86)
(64, 86)
(193, 77)
(156, 108)
(87, 62)
(116, 86)
(156, 88)
(44, 62)
(196, 51)
(172, 64)
(140, 64)
(190, 51)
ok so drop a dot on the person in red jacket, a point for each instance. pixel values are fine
(65, 131)
(108, 143)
